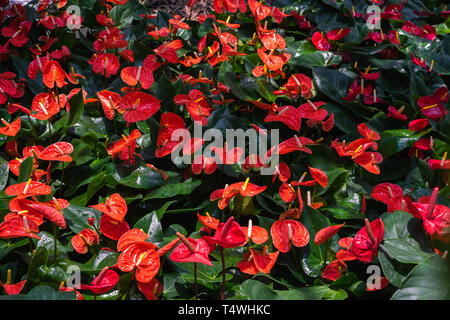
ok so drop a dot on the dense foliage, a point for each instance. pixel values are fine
(91, 93)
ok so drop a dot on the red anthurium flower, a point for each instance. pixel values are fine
(27, 189)
(286, 231)
(436, 217)
(397, 114)
(297, 84)
(12, 289)
(288, 115)
(253, 161)
(111, 228)
(18, 226)
(123, 143)
(320, 42)
(58, 151)
(142, 74)
(345, 254)
(191, 250)
(319, 176)
(130, 237)
(403, 203)
(245, 189)
(328, 124)
(366, 241)
(17, 31)
(323, 235)
(45, 106)
(288, 193)
(354, 148)
(115, 207)
(338, 34)
(258, 261)
(369, 161)
(310, 110)
(228, 235)
(431, 106)
(84, 239)
(110, 101)
(334, 270)
(151, 290)
(419, 147)
(142, 257)
(439, 163)
(257, 234)
(282, 172)
(273, 60)
(197, 105)
(208, 221)
(10, 129)
(227, 156)
(294, 144)
(105, 64)
(49, 212)
(385, 192)
(169, 51)
(273, 41)
(206, 164)
(112, 223)
(383, 282)
(139, 106)
(105, 281)
(417, 125)
(53, 74)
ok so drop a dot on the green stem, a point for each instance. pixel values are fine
(222, 293)
(32, 127)
(195, 281)
(50, 130)
(55, 247)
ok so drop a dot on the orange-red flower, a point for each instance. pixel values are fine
(138, 255)
(139, 106)
(53, 74)
(324, 234)
(84, 239)
(110, 102)
(191, 250)
(286, 231)
(27, 189)
(245, 189)
(10, 129)
(112, 223)
(255, 261)
(366, 241)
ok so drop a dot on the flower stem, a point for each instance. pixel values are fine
(195, 281)
(222, 294)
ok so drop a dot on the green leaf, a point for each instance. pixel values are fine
(312, 259)
(255, 290)
(143, 178)
(4, 172)
(6, 246)
(305, 293)
(25, 169)
(76, 108)
(77, 217)
(401, 238)
(171, 190)
(393, 270)
(393, 141)
(429, 280)
(45, 293)
(98, 262)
